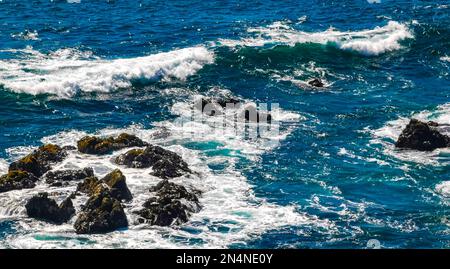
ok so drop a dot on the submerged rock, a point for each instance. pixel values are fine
(422, 136)
(165, 163)
(316, 82)
(46, 209)
(102, 213)
(61, 177)
(39, 161)
(17, 180)
(116, 181)
(172, 205)
(100, 146)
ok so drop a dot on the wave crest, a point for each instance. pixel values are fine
(370, 42)
(67, 72)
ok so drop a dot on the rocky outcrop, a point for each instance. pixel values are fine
(62, 177)
(17, 180)
(46, 209)
(422, 136)
(101, 146)
(102, 213)
(116, 181)
(172, 205)
(40, 160)
(165, 163)
(316, 82)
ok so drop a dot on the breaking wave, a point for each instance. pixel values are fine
(67, 72)
(369, 42)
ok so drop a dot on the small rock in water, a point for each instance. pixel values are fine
(39, 161)
(17, 180)
(61, 177)
(422, 136)
(46, 209)
(101, 146)
(316, 82)
(172, 205)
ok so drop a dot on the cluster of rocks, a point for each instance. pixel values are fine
(169, 203)
(423, 136)
(216, 106)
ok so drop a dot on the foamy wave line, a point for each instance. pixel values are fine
(67, 72)
(367, 42)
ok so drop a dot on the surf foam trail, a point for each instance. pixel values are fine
(370, 42)
(67, 72)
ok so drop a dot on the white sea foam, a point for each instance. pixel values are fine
(443, 188)
(26, 35)
(3, 166)
(67, 72)
(388, 134)
(367, 42)
(445, 58)
(231, 212)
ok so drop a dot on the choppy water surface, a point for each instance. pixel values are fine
(333, 180)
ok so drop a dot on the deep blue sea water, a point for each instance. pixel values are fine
(334, 180)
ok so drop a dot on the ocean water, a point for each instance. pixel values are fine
(330, 176)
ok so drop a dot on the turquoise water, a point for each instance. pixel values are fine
(333, 180)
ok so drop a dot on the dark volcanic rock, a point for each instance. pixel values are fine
(60, 177)
(316, 82)
(39, 161)
(17, 180)
(90, 186)
(100, 146)
(43, 208)
(118, 185)
(172, 204)
(165, 163)
(422, 136)
(102, 213)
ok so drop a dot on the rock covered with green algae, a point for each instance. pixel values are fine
(17, 180)
(39, 161)
(101, 146)
(114, 182)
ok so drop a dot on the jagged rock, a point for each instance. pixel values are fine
(100, 146)
(43, 208)
(165, 163)
(172, 205)
(39, 161)
(422, 136)
(118, 185)
(90, 186)
(102, 213)
(60, 177)
(114, 182)
(316, 82)
(17, 180)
